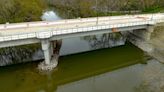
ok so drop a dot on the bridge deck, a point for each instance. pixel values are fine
(53, 26)
(45, 29)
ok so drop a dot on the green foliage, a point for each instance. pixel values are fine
(154, 9)
(21, 10)
(92, 8)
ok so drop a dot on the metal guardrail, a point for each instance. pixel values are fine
(54, 32)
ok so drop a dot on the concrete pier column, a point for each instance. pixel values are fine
(46, 50)
(150, 30)
(50, 61)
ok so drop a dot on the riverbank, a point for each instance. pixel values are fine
(157, 40)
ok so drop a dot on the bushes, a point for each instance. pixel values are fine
(21, 10)
(87, 8)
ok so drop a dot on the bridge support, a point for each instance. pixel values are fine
(150, 30)
(46, 50)
(141, 38)
(144, 34)
(51, 60)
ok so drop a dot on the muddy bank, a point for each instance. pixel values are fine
(157, 40)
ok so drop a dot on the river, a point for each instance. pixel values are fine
(101, 63)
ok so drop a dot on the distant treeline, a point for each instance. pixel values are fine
(86, 8)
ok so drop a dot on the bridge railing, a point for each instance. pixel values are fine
(59, 22)
(62, 31)
(80, 20)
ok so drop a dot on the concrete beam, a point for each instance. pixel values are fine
(144, 34)
(58, 37)
(18, 42)
(87, 33)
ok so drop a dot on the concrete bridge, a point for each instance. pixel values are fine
(45, 32)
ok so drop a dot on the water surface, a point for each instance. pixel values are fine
(97, 71)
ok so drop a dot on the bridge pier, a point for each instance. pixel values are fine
(150, 30)
(46, 50)
(51, 60)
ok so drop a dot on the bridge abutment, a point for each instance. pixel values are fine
(141, 38)
(144, 34)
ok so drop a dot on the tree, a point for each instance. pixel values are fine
(21, 11)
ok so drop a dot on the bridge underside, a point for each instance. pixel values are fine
(51, 59)
(58, 37)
